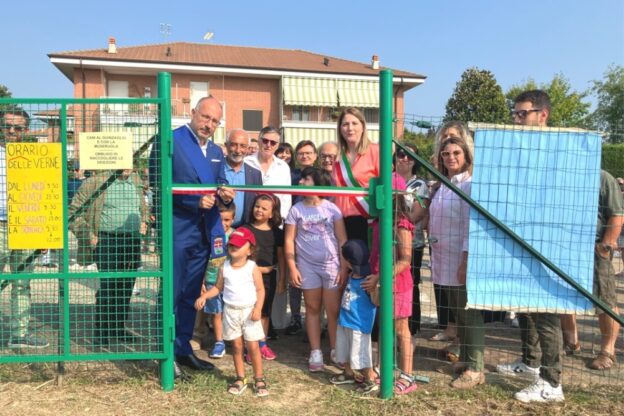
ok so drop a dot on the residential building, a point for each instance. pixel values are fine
(298, 91)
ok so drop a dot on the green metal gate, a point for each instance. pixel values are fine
(85, 261)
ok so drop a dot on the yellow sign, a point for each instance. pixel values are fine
(34, 195)
(105, 150)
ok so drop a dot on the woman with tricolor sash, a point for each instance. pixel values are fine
(357, 164)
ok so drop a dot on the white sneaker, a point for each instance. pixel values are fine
(315, 363)
(517, 368)
(540, 391)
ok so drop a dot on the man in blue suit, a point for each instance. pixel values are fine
(239, 173)
(197, 231)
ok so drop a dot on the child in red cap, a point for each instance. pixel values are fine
(240, 281)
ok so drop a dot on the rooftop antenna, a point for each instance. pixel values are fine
(165, 30)
(208, 36)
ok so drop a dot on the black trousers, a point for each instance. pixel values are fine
(414, 321)
(445, 313)
(115, 252)
(357, 228)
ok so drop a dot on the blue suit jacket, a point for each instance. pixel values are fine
(252, 177)
(197, 233)
(192, 225)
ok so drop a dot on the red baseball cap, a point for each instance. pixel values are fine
(241, 236)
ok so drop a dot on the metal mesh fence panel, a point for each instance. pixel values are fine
(530, 322)
(81, 258)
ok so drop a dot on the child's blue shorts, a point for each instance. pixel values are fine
(214, 305)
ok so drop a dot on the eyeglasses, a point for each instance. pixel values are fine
(15, 127)
(305, 153)
(524, 113)
(455, 153)
(211, 119)
(268, 142)
(327, 156)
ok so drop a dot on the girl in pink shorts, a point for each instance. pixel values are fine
(313, 235)
(402, 283)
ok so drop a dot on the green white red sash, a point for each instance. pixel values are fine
(345, 178)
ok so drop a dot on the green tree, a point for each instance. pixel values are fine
(477, 97)
(567, 106)
(4, 92)
(609, 114)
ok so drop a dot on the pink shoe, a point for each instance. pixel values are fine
(267, 353)
(315, 363)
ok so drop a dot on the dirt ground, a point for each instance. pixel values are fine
(132, 386)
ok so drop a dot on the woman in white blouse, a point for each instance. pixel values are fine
(448, 231)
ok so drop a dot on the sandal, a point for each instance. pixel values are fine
(238, 386)
(368, 387)
(451, 352)
(344, 378)
(603, 361)
(260, 387)
(572, 349)
(404, 384)
(377, 374)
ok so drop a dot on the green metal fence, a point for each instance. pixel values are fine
(84, 266)
(502, 338)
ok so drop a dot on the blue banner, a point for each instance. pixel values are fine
(542, 184)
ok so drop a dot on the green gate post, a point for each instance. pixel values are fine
(385, 232)
(168, 336)
(64, 344)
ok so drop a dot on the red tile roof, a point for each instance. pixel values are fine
(232, 56)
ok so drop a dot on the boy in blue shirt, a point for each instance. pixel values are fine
(355, 322)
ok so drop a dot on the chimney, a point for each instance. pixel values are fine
(326, 61)
(112, 47)
(168, 53)
(375, 63)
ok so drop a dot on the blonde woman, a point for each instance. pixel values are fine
(358, 163)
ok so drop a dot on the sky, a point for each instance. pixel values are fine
(515, 40)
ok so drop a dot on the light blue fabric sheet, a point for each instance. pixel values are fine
(544, 186)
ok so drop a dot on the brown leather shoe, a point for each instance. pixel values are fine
(468, 381)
